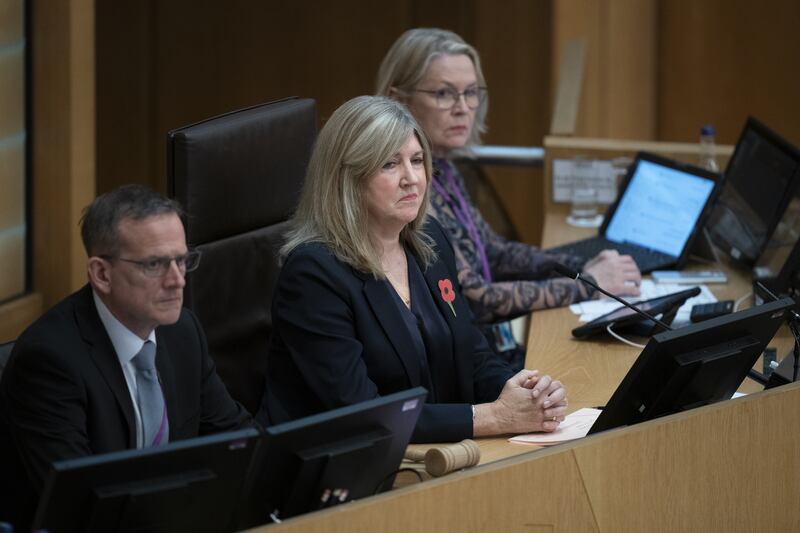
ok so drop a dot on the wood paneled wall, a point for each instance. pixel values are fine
(657, 70)
(161, 65)
(722, 60)
(619, 87)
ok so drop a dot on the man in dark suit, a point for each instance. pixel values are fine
(71, 384)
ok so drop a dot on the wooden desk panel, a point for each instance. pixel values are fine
(708, 469)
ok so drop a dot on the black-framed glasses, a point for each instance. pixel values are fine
(447, 96)
(155, 267)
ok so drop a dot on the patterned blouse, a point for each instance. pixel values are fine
(519, 274)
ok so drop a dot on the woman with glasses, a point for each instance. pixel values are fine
(367, 302)
(438, 76)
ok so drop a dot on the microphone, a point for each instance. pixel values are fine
(442, 460)
(574, 274)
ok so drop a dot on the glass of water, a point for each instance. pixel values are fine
(584, 194)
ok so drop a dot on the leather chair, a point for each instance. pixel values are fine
(238, 177)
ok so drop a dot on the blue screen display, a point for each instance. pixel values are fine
(659, 208)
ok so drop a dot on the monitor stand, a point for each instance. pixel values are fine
(703, 249)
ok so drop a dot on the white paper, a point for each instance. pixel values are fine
(574, 426)
(602, 171)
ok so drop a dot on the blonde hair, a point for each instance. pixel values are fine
(357, 140)
(408, 59)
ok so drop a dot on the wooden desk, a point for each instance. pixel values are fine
(591, 370)
(731, 466)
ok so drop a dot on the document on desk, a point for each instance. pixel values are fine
(574, 426)
(591, 309)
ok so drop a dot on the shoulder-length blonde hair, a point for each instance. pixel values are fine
(408, 59)
(358, 139)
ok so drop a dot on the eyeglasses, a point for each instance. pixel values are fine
(447, 97)
(156, 267)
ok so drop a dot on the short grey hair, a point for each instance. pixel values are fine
(358, 139)
(101, 219)
(408, 59)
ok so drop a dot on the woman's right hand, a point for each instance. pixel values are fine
(528, 402)
(618, 274)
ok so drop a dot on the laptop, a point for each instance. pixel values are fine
(658, 214)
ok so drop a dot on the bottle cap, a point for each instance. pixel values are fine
(707, 130)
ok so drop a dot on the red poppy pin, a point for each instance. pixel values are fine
(448, 295)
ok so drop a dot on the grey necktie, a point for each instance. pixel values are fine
(150, 397)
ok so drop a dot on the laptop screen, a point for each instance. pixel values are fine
(659, 208)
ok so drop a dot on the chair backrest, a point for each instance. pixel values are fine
(5, 352)
(238, 176)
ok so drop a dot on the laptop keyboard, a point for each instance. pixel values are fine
(647, 260)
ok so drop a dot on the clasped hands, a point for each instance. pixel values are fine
(528, 402)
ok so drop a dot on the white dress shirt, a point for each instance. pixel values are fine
(127, 344)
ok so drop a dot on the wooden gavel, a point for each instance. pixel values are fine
(441, 460)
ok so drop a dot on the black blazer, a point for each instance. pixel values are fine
(339, 338)
(63, 393)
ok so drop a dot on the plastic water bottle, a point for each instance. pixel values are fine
(708, 152)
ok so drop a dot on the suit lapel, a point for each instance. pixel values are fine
(388, 315)
(458, 319)
(166, 374)
(105, 357)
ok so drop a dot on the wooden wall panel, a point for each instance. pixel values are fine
(11, 19)
(12, 89)
(513, 39)
(618, 97)
(126, 94)
(161, 65)
(721, 60)
(63, 146)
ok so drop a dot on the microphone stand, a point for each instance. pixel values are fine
(793, 322)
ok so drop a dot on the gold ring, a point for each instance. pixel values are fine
(555, 419)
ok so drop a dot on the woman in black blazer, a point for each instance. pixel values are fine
(368, 301)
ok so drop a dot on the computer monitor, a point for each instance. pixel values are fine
(760, 179)
(332, 457)
(778, 267)
(188, 485)
(693, 366)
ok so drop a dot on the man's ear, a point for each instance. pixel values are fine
(99, 271)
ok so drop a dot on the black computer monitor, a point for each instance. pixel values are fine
(332, 457)
(760, 179)
(189, 485)
(693, 366)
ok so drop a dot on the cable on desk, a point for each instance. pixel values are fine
(739, 301)
(621, 338)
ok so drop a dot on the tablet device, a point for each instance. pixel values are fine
(622, 316)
